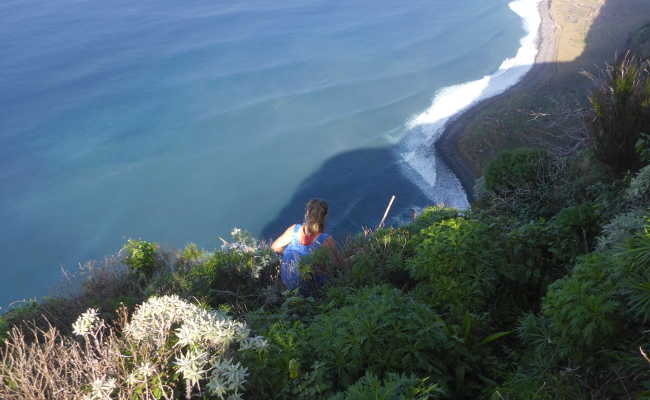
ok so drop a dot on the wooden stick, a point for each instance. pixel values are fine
(390, 204)
(644, 354)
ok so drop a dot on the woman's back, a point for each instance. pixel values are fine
(302, 239)
(300, 246)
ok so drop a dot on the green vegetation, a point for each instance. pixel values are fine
(540, 291)
(620, 113)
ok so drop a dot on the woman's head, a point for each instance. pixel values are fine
(315, 213)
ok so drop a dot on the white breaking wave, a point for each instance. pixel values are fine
(426, 128)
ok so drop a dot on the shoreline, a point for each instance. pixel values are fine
(446, 147)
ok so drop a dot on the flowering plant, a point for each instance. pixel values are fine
(168, 348)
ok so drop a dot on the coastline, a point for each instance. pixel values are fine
(447, 144)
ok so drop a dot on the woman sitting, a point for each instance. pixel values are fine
(302, 239)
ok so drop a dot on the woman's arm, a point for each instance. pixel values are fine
(280, 243)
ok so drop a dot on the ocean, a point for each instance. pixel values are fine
(176, 121)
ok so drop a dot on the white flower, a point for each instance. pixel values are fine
(146, 370)
(216, 387)
(191, 365)
(202, 338)
(153, 319)
(243, 241)
(102, 388)
(253, 343)
(133, 379)
(210, 328)
(227, 377)
(86, 322)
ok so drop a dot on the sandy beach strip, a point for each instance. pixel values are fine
(573, 37)
(446, 146)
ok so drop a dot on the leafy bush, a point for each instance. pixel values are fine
(633, 277)
(380, 330)
(230, 276)
(18, 315)
(376, 258)
(621, 227)
(527, 183)
(639, 189)
(457, 259)
(394, 387)
(430, 216)
(583, 309)
(192, 253)
(580, 347)
(274, 370)
(576, 229)
(141, 257)
(620, 113)
(532, 264)
(237, 274)
(515, 170)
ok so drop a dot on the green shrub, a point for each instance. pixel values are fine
(237, 274)
(316, 268)
(633, 277)
(526, 183)
(642, 147)
(141, 257)
(537, 383)
(381, 330)
(583, 309)
(457, 259)
(192, 253)
(532, 265)
(515, 170)
(394, 387)
(620, 228)
(576, 229)
(26, 312)
(620, 113)
(430, 216)
(591, 320)
(275, 371)
(639, 190)
(230, 276)
(378, 258)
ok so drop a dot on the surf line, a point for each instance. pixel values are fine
(426, 128)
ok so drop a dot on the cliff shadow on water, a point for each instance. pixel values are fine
(357, 186)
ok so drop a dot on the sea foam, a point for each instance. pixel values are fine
(425, 128)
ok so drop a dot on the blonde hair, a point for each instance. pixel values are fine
(315, 213)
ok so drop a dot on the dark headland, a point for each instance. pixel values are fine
(574, 37)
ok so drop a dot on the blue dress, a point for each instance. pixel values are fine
(289, 272)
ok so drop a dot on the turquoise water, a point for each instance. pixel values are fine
(177, 121)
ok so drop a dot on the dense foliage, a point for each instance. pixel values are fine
(620, 112)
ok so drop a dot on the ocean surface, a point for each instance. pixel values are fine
(176, 121)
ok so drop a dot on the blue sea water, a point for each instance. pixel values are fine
(175, 121)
